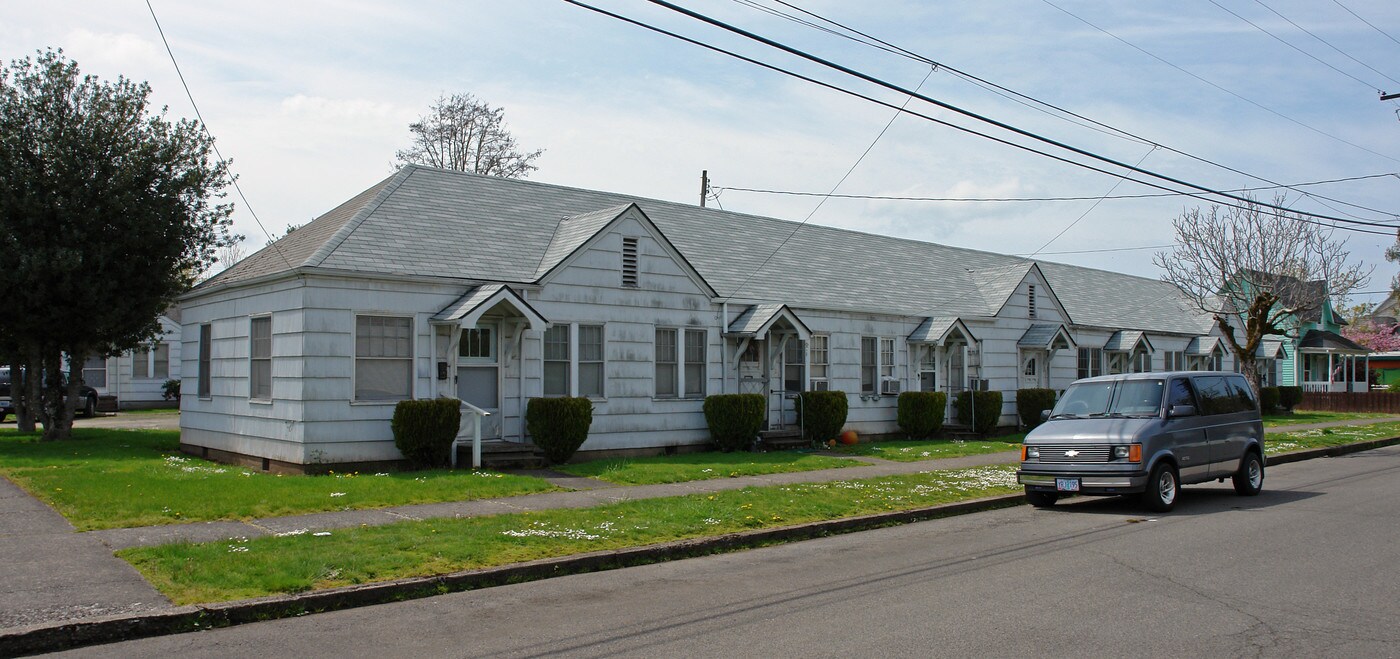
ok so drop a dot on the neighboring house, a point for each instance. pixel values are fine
(1387, 312)
(1315, 355)
(137, 378)
(495, 291)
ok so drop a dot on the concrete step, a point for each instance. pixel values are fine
(501, 454)
(778, 440)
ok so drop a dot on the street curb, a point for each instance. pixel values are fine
(52, 637)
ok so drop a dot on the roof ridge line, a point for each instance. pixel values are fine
(343, 233)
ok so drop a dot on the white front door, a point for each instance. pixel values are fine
(1033, 369)
(479, 374)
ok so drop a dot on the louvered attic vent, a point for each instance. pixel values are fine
(629, 262)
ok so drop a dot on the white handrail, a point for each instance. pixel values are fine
(476, 413)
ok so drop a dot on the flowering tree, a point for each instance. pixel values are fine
(1379, 338)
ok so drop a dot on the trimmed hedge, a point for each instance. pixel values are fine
(920, 413)
(1269, 398)
(424, 430)
(734, 419)
(988, 410)
(822, 414)
(1289, 397)
(1031, 402)
(558, 426)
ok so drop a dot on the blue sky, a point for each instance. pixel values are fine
(311, 99)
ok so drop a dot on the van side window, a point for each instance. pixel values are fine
(1180, 394)
(1243, 395)
(1216, 396)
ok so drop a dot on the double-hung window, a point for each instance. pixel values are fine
(205, 358)
(888, 382)
(695, 341)
(557, 371)
(148, 363)
(869, 364)
(1090, 362)
(571, 350)
(818, 355)
(666, 363)
(681, 363)
(260, 359)
(590, 361)
(1174, 360)
(383, 358)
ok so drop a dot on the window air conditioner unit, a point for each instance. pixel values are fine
(820, 385)
(889, 387)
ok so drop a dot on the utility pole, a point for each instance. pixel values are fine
(704, 186)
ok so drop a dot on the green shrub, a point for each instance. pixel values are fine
(988, 410)
(822, 414)
(170, 390)
(1289, 397)
(1031, 402)
(424, 430)
(734, 419)
(920, 413)
(558, 425)
(1269, 398)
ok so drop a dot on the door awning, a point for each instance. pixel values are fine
(1047, 336)
(1128, 341)
(1323, 341)
(939, 329)
(759, 319)
(1270, 349)
(467, 310)
(1203, 346)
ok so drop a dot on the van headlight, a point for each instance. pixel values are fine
(1129, 452)
(1032, 452)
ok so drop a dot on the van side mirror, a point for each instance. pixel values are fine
(1182, 410)
(1044, 415)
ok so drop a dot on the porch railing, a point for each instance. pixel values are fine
(471, 421)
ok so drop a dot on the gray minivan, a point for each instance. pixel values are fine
(1146, 433)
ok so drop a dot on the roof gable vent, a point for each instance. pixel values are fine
(629, 262)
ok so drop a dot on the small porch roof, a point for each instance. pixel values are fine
(1128, 341)
(467, 310)
(1270, 349)
(1048, 336)
(937, 329)
(1323, 341)
(1203, 346)
(758, 319)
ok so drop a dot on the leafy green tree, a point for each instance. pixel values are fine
(107, 213)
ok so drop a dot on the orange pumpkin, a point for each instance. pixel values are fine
(849, 437)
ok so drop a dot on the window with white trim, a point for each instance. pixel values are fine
(794, 364)
(1090, 362)
(206, 348)
(477, 343)
(1174, 360)
(590, 361)
(95, 372)
(667, 364)
(147, 363)
(260, 358)
(557, 374)
(869, 364)
(888, 381)
(695, 342)
(818, 355)
(383, 358)
(1142, 362)
(928, 369)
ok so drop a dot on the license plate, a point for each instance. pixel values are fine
(1067, 484)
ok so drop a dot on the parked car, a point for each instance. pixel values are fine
(1147, 434)
(88, 396)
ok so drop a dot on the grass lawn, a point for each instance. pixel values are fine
(933, 449)
(219, 571)
(1284, 442)
(106, 478)
(1300, 417)
(701, 466)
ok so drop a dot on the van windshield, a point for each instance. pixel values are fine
(1113, 398)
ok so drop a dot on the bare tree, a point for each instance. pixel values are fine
(464, 133)
(1257, 269)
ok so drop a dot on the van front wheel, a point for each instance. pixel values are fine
(1249, 480)
(1041, 499)
(1162, 488)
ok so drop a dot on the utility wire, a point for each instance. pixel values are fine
(1097, 251)
(1302, 215)
(1039, 199)
(1373, 27)
(1326, 42)
(834, 187)
(1291, 45)
(1212, 84)
(997, 89)
(1091, 208)
(999, 124)
(212, 142)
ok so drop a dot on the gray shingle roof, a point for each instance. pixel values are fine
(757, 318)
(464, 305)
(431, 222)
(1041, 335)
(1203, 346)
(933, 329)
(1126, 341)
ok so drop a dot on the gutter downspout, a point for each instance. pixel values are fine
(723, 348)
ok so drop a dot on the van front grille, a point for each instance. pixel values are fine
(1076, 453)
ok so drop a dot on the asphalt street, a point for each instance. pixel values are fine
(1308, 568)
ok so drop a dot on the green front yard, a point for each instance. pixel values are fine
(104, 479)
(933, 449)
(1302, 417)
(300, 561)
(1284, 442)
(701, 466)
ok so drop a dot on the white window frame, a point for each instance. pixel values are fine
(681, 363)
(887, 361)
(579, 362)
(143, 362)
(355, 357)
(567, 361)
(1096, 365)
(873, 366)
(204, 383)
(254, 359)
(819, 361)
(687, 365)
(675, 361)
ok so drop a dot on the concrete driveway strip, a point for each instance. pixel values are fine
(50, 573)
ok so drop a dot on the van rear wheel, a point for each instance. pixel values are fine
(1249, 480)
(1162, 488)
(1041, 499)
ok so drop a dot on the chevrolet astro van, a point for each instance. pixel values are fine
(1147, 434)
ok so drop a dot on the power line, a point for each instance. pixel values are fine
(1373, 27)
(967, 113)
(881, 44)
(1091, 208)
(1042, 199)
(1097, 251)
(1326, 42)
(1212, 84)
(1291, 45)
(212, 142)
